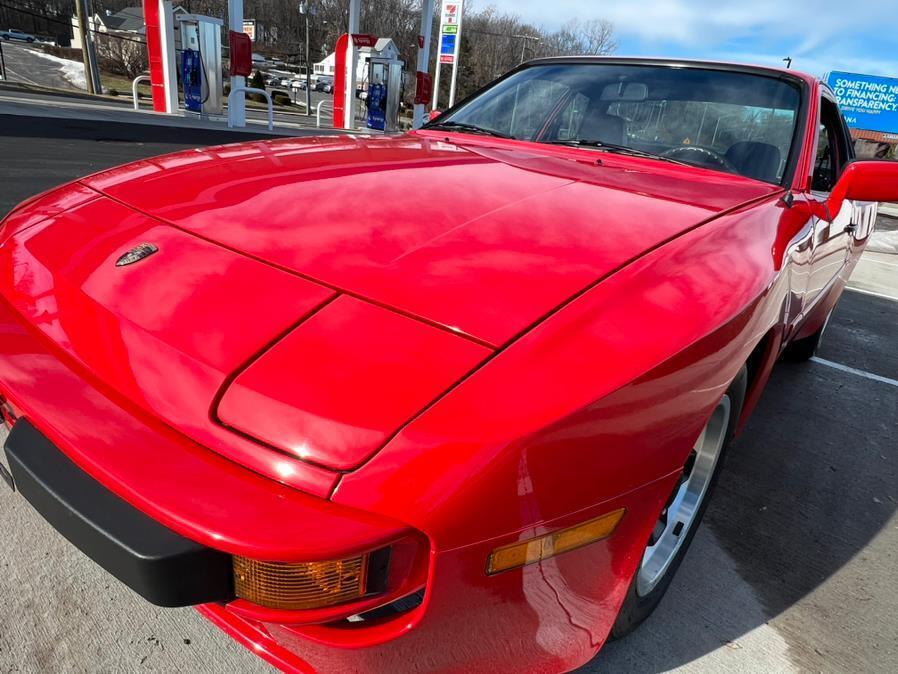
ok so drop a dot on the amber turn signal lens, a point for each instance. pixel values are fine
(300, 585)
(538, 549)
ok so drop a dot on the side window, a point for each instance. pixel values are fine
(572, 117)
(520, 110)
(534, 102)
(565, 122)
(833, 150)
(824, 167)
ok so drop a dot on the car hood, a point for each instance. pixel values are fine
(479, 239)
(315, 295)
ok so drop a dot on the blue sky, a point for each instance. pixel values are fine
(856, 36)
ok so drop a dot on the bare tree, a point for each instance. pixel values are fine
(121, 55)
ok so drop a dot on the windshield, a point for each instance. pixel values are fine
(731, 121)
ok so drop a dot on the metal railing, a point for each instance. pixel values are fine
(253, 90)
(318, 113)
(138, 80)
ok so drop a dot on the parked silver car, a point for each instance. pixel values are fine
(16, 34)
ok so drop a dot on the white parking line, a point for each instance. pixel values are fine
(872, 292)
(851, 370)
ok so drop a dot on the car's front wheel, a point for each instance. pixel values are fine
(680, 517)
(806, 348)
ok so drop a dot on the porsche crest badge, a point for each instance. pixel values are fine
(136, 254)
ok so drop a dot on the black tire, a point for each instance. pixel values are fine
(637, 608)
(802, 350)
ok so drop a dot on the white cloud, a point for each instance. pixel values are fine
(703, 20)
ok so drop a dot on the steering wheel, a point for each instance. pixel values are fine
(700, 155)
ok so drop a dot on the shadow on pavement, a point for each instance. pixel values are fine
(800, 531)
(17, 126)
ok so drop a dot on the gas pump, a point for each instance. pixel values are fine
(377, 106)
(378, 65)
(201, 74)
(192, 80)
(384, 92)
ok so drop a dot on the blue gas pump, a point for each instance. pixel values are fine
(377, 106)
(192, 80)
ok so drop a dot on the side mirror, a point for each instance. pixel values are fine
(434, 114)
(865, 181)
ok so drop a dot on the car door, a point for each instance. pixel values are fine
(831, 239)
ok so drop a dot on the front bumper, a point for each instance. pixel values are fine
(163, 567)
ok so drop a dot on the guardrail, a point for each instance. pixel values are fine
(138, 80)
(252, 90)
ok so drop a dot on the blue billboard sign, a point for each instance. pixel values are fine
(867, 101)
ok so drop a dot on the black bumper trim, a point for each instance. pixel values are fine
(154, 561)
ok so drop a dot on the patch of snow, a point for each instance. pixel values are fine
(73, 71)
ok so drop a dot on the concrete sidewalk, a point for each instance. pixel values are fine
(877, 271)
(889, 210)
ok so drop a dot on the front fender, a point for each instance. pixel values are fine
(605, 396)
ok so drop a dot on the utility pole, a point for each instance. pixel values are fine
(307, 10)
(82, 34)
(523, 39)
(788, 62)
(92, 54)
(2, 63)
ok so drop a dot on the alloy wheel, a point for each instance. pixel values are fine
(680, 513)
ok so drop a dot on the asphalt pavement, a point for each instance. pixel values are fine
(24, 65)
(793, 570)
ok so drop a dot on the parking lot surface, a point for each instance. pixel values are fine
(793, 570)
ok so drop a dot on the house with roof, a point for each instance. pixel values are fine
(385, 47)
(127, 22)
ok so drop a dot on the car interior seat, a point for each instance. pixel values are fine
(760, 161)
(599, 125)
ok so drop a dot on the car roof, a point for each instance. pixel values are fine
(682, 63)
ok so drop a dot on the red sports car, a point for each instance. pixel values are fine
(448, 401)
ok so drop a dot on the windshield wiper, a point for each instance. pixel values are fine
(617, 149)
(470, 128)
